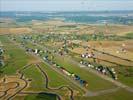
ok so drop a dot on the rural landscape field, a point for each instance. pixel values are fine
(66, 55)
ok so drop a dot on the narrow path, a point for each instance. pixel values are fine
(47, 83)
(102, 92)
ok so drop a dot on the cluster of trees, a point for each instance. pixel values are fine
(1, 60)
(74, 36)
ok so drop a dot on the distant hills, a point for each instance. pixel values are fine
(91, 17)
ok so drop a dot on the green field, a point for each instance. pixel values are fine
(119, 95)
(38, 82)
(84, 74)
(16, 58)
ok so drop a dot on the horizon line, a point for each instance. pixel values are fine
(65, 11)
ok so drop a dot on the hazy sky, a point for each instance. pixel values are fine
(65, 5)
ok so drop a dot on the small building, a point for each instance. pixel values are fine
(87, 55)
(36, 51)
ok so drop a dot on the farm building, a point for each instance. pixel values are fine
(87, 55)
(36, 51)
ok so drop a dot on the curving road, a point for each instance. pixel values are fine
(18, 85)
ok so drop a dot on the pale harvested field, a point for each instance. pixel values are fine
(15, 30)
(109, 29)
(11, 85)
(111, 47)
(54, 27)
(58, 22)
(89, 29)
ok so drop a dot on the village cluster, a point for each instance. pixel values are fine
(99, 68)
(63, 70)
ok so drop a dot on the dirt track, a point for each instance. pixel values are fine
(10, 86)
(7, 90)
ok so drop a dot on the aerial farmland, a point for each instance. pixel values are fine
(66, 55)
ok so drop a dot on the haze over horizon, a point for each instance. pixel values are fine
(65, 5)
